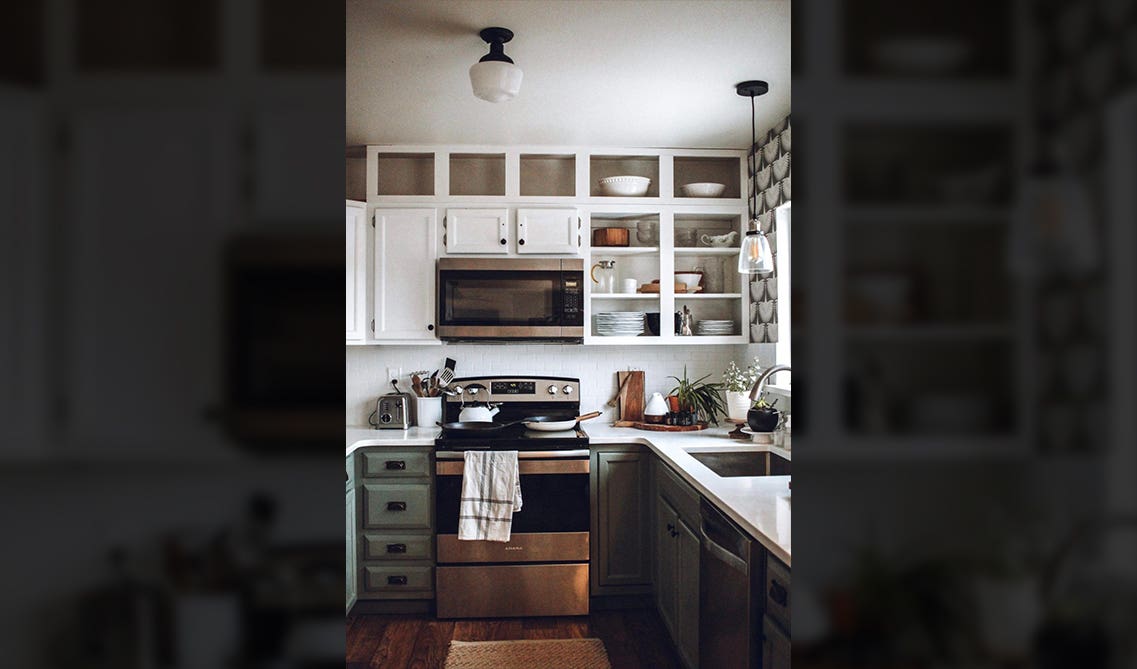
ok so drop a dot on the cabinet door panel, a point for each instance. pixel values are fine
(477, 231)
(548, 231)
(349, 577)
(356, 262)
(775, 646)
(621, 532)
(405, 247)
(665, 575)
(687, 592)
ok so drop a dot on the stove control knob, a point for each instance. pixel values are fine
(552, 390)
(567, 390)
(458, 389)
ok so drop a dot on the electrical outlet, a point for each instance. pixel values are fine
(394, 373)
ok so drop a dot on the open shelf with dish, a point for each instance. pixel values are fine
(608, 166)
(707, 177)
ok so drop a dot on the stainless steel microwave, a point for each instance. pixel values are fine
(511, 299)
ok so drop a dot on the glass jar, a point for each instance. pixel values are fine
(604, 277)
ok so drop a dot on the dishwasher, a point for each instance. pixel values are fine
(730, 588)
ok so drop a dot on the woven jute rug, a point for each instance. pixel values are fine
(528, 654)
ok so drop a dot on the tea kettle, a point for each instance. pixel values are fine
(478, 414)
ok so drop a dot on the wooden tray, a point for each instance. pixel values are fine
(671, 428)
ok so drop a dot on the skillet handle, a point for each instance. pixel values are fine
(590, 414)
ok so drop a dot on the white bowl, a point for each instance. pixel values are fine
(703, 189)
(690, 279)
(625, 186)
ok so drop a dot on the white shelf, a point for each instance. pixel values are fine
(624, 250)
(625, 296)
(707, 251)
(707, 296)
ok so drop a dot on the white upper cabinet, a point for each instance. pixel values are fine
(477, 231)
(355, 233)
(548, 231)
(404, 279)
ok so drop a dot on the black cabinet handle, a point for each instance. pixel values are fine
(503, 242)
(396, 580)
(397, 464)
(670, 527)
(521, 242)
(430, 327)
(778, 593)
(396, 506)
(396, 548)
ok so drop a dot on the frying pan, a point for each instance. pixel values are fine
(555, 423)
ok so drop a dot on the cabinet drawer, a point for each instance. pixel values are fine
(398, 578)
(396, 505)
(778, 592)
(678, 493)
(775, 646)
(385, 546)
(402, 464)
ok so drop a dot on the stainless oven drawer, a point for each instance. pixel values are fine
(535, 547)
(512, 590)
(396, 505)
(524, 466)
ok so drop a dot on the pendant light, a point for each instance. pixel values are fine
(755, 256)
(495, 78)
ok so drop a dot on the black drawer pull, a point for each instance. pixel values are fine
(396, 506)
(778, 593)
(396, 580)
(396, 548)
(397, 464)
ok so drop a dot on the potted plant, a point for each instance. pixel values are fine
(763, 417)
(737, 383)
(698, 398)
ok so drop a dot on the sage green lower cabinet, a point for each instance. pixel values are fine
(349, 579)
(621, 520)
(677, 548)
(392, 538)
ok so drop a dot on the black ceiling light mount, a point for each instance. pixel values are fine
(494, 77)
(496, 38)
(755, 256)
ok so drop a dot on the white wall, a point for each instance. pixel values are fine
(595, 366)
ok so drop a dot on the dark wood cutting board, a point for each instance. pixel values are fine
(632, 406)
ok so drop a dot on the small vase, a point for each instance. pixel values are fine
(737, 404)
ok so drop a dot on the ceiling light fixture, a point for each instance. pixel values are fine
(755, 256)
(495, 78)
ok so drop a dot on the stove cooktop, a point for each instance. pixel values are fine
(516, 438)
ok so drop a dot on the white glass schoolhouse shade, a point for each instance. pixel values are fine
(495, 80)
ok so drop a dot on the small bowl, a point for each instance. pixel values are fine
(703, 189)
(689, 279)
(625, 186)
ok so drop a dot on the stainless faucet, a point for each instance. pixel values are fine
(756, 389)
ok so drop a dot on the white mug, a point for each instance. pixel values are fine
(630, 286)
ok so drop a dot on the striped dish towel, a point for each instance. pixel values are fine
(491, 493)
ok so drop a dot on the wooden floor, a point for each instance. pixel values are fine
(634, 638)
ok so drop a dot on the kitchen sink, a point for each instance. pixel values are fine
(745, 463)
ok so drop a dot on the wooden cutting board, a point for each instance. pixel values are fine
(632, 405)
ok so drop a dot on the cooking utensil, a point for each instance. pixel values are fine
(556, 423)
(619, 392)
(416, 385)
(445, 377)
(474, 429)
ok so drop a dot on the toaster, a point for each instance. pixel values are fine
(393, 412)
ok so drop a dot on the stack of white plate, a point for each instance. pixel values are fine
(619, 323)
(714, 328)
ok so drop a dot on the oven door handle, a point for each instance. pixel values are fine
(521, 455)
(524, 467)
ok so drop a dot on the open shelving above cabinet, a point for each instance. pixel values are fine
(477, 174)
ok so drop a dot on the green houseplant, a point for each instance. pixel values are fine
(737, 383)
(699, 397)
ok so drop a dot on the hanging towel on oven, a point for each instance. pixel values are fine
(491, 492)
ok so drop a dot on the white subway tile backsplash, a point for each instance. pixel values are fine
(595, 366)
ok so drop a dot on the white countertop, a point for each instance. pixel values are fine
(759, 504)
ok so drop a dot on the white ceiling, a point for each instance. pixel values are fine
(651, 73)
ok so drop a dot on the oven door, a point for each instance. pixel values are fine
(511, 299)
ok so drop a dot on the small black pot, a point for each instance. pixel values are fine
(763, 419)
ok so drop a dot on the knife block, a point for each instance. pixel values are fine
(632, 405)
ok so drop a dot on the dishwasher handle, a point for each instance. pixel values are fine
(733, 561)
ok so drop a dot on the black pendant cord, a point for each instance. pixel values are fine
(752, 159)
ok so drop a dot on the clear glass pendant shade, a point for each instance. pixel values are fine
(755, 256)
(495, 80)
